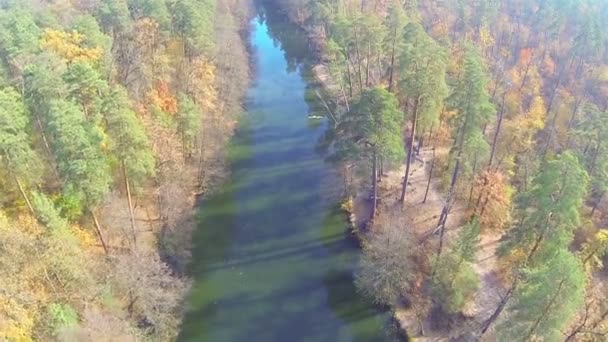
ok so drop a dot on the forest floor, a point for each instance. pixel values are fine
(422, 219)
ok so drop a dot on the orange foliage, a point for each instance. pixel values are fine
(525, 56)
(202, 80)
(69, 46)
(494, 197)
(162, 97)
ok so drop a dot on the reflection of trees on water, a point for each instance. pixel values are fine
(291, 38)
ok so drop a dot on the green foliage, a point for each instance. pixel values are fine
(455, 281)
(422, 74)
(590, 135)
(550, 209)
(155, 9)
(471, 101)
(85, 86)
(550, 295)
(46, 212)
(193, 20)
(61, 316)
(16, 153)
(113, 16)
(76, 148)
(128, 140)
(373, 124)
(189, 118)
(19, 33)
(44, 82)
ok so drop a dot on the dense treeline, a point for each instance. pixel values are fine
(113, 114)
(508, 103)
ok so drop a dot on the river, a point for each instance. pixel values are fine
(272, 257)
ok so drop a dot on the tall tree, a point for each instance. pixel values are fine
(454, 280)
(422, 73)
(371, 129)
(471, 101)
(395, 22)
(83, 168)
(128, 144)
(548, 215)
(16, 154)
(546, 301)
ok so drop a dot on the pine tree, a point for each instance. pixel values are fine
(550, 211)
(471, 101)
(371, 129)
(549, 296)
(422, 73)
(16, 154)
(454, 280)
(128, 144)
(189, 118)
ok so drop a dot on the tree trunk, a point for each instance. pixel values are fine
(99, 232)
(472, 182)
(501, 306)
(428, 184)
(374, 184)
(597, 203)
(349, 77)
(544, 313)
(358, 62)
(130, 203)
(498, 126)
(392, 67)
(410, 150)
(369, 52)
(25, 198)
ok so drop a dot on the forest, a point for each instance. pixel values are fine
(472, 139)
(114, 117)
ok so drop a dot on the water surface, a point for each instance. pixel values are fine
(272, 258)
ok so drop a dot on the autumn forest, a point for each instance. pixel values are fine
(181, 170)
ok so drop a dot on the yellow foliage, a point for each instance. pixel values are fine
(84, 237)
(202, 81)
(69, 46)
(16, 323)
(486, 38)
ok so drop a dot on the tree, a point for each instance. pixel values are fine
(189, 118)
(590, 135)
(16, 154)
(422, 72)
(454, 280)
(155, 9)
(386, 269)
(83, 168)
(128, 143)
(86, 86)
(471, 101)
(113, 16)
(549, 211)
(193, 22)
(372, 129)
(548, 215)
(548, 298)
(395, 22)
(19, 36)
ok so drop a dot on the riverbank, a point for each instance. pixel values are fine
(424, 201)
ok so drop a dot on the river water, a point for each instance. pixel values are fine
(272, 258)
